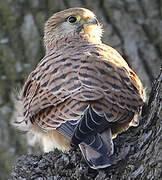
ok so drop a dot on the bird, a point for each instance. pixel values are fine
(82, 93)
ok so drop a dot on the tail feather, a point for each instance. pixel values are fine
(94, 137)
(98, 150)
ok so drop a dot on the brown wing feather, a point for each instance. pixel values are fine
(63, 84)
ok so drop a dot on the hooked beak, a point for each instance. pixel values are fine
(92, 21)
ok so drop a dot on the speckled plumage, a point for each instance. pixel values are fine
(82, 91)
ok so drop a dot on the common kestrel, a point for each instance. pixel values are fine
(82, 93)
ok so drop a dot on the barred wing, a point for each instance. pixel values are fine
(62, 87)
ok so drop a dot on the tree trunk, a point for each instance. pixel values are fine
(131, 26)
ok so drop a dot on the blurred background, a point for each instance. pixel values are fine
(133, 27)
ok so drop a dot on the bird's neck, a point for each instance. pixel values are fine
(91, 38)
(77, 39)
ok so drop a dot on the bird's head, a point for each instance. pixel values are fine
(71, 22)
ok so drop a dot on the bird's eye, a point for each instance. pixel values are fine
(73, 19)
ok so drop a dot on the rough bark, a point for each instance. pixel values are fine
(131, 26)
(141, 155)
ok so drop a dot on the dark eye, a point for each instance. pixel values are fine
(73, 19)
